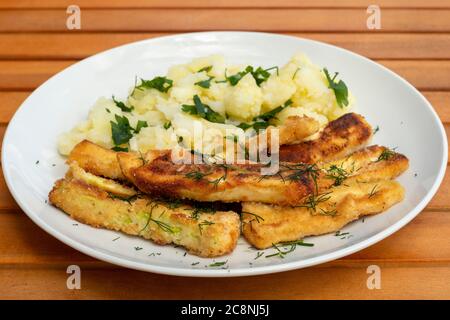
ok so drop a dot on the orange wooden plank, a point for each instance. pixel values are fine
(23, 75)
(80, 45)
(403, 20)
(397, 282)
(223, 4)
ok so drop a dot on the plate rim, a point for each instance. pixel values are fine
(249, 271)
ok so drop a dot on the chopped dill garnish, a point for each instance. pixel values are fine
(386, 155)
(377, 128)
(343, 235)
(167, 125)
(163, 226)
(137, 248)
(300, 170)
(204, 223)
(313, 201)
(196, 175)
(197, 210)
(295, 73)
(194, 263)
(339, 174)
(259, 254)
(331, 213)
(257, 217)
(373, 191)
(218, 263)
(126, 199)
(292, 246)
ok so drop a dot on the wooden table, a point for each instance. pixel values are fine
(414, 41)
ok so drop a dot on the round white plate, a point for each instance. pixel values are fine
(405, 118)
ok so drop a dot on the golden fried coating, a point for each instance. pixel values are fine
(219, 182)
(203, 234)
(96, 160)
(265, 225)
(105, 184)
(235, 183)
(338, 139)
(294, 130)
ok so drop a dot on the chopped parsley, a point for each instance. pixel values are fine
(262, 75)
(202, 110)
(161, 84)
(261, 121)
(140, 124)
(340, 89)
(206, 69)
(120, 149)
(167, 125)
(272, 113)
(206, 84)
(122, 131)
(122, 106)
(259, 74)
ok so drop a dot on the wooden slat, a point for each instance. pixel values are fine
(23, 243)
(440, 102)
(403, 20)
(400, 282)
(223, 4)
(23, 75)
(80, 45)
(28, 74)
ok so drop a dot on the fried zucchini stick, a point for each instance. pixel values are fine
(339, 138)
(264, 225)
(203, 234)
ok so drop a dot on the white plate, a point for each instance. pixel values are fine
(406, 120)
